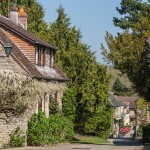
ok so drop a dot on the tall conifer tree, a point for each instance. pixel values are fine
(89, 82)
(35, 12)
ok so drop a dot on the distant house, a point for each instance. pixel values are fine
(129, 101)
(31, 57)
(118, 111)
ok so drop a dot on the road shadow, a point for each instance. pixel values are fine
(125, 141)
(146, 147)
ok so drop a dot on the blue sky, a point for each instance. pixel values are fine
(92, 17)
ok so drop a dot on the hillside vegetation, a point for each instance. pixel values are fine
(115, 73)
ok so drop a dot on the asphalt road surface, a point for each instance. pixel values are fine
(115, 144)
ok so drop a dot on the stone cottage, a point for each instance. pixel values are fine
(31, 57)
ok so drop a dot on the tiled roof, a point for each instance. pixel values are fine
(128, 99)
(52, 74)
(8, 24)
(17, 54)
(114, 102)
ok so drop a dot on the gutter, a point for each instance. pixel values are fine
(51, 79)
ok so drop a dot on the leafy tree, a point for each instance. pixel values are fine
(69, 104)
(126, 50)
(120, 89)
(89, 82)
(35, 12)
(141, 111)
(118, 86)
(130, 10)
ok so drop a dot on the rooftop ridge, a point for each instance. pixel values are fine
(7, 23)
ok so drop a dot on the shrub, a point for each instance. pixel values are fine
(98, 126)
(140, 130)
(37, 130)
(61, 129)
(146, 133)
(52, 130)
(16, 139)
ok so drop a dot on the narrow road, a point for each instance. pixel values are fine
(115, 144)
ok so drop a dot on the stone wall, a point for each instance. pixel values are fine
(21, 121)
(9, 63)
(7, 128)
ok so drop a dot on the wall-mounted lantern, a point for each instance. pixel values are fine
(8, 48)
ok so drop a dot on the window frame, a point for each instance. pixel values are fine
(52, 58)
(40, 53)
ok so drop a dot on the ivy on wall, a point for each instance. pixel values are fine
(18, 91)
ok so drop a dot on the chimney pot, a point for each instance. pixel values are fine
(22, 18)
(14, 13)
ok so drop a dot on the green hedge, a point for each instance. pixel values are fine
(52, 130)
(146, 134)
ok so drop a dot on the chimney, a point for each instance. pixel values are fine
(14, 14)
(22, 18)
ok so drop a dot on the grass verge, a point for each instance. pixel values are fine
(88, 140)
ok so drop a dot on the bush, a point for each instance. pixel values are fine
(52, 130)
(37, 129)
(98, 126)
(16, 139)
(140, 130)
(146, 133)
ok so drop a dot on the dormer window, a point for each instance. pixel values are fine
(44, 56)
(40, 56)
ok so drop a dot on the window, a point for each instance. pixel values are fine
(43, 104)
(52, 58)
(39, 105)
(40, 56)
